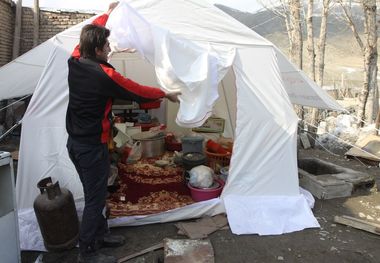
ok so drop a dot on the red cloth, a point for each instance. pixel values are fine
(146, 189)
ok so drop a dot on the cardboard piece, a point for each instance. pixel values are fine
(368, 148)
(142, 252)
(188, 251)
(202, 227)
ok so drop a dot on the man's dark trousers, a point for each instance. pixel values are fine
(93, 166)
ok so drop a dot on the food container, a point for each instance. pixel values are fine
(202, 194)
(161, 163)
(190, 160)
(151, 147)
(192, 144)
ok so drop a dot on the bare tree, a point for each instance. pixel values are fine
(311, 51)
(377, 125)
(310, 39)
(296, 48)
(320, 53)
(321, 46)
(290, 11)
(369, 52)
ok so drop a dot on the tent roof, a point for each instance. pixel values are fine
(208, 27)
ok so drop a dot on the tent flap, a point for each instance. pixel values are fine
(191, 49)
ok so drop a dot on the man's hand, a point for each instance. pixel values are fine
(111, 7)
(173, 96)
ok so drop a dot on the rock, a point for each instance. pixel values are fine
(362, 215)
(323, 233)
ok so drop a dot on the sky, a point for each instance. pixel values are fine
(243, 5)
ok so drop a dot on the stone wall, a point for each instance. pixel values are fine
(51, 23)
(7, 14)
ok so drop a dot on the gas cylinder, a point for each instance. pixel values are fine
(56, 215)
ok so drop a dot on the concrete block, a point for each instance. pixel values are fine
(327, 180)
(325, 186)
(305, 141)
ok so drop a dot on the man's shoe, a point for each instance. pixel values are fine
(96, 258)
(112, 241)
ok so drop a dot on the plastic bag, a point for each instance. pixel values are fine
(135, 153)
(201, 176)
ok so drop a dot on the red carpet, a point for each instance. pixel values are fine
(148, 189)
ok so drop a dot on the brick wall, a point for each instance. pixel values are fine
(26, 42)
(7, 15)
(51, 23)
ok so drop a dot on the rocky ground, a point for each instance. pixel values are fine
(331, 243)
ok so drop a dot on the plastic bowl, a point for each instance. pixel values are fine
(199, 194)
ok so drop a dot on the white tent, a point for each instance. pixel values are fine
(192, 46)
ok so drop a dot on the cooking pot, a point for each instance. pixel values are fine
(190, 160)
(151, 146)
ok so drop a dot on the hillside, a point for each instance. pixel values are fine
(342, 51)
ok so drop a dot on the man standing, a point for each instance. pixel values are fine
(93, 83)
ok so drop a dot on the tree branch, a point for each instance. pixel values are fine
(351, 24)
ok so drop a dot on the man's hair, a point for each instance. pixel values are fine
(91, 37)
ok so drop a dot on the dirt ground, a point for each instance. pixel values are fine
(331, 243)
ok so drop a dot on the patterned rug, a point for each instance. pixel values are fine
(148, 189)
